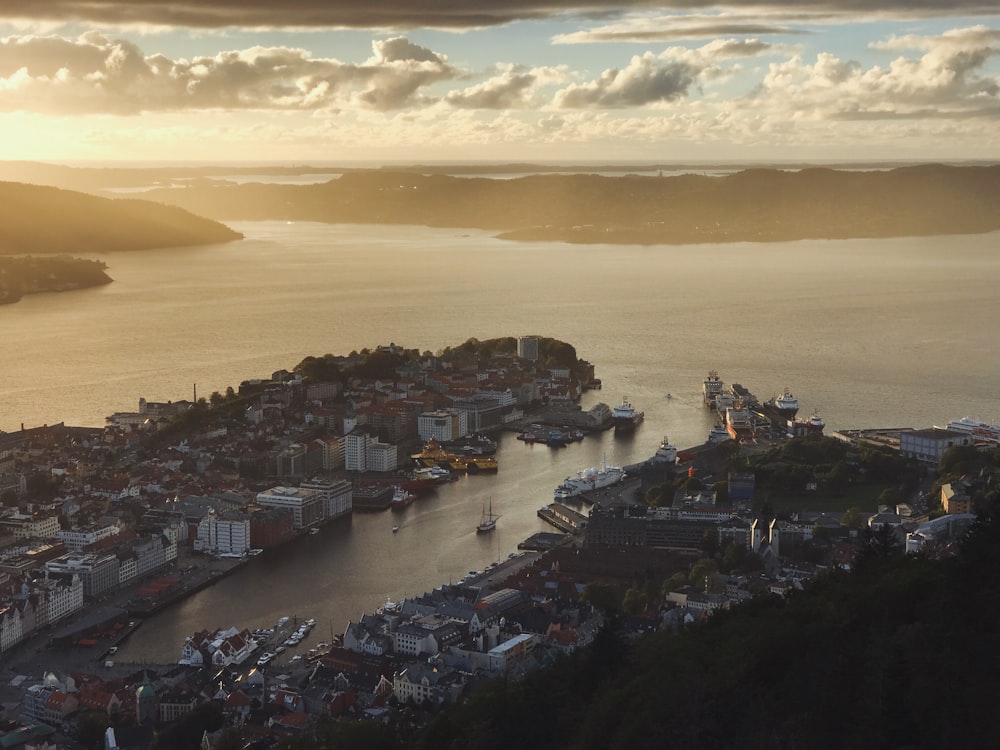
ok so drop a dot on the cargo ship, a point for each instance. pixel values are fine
(711, 388)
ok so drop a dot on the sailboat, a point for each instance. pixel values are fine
(488, 521)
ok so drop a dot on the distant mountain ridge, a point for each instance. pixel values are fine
(751, 205)
(46, 220)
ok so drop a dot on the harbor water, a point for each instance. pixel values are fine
(866, 333)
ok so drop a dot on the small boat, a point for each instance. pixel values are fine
(395, 529)
(489, 521)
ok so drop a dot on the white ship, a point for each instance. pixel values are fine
(666, 453)
(711, 388)
(980, 431)
(594, 478)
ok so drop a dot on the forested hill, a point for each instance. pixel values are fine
(900, 654)
(36, 220)
(752, 205)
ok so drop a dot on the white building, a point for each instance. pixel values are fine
(228, 534)
(336, 495)
(382, 456)
(356, 450)
(443, 425)
(76, 539)
(305, 505)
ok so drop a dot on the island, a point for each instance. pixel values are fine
(29, 275)
(753, 205)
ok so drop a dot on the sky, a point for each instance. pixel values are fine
(417, 81)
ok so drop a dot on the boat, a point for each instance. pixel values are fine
(666, 453)
(738, 423)
(433, 474)
(488, 522)
(314, 530)
(434, 455)
(625, 418)
(473, 445)
(718, 434)
(395, 529)
(711, 387)
(981, 432)
(588, 480)
(401, 498)
(781, 409)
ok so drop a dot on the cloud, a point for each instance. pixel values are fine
(947, 79)
(645, 80)
(95, 74)
(653, 79)
(512, 87)
(402, 14)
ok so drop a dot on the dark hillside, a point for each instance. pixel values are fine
(36, 219)
(753, 205)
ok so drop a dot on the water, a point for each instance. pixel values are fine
(869, 333)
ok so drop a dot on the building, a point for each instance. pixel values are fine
(443, 425)
(930, 445)
(76, 539)
(336, 496)
(422, 683)
(955, 498)
(228, 534)
(305, 505)
(356, 444)
(34, 526)
(527, 348)
(99, 573)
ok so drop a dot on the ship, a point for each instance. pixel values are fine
(473, 445)
(781, 409)
(488, 522)
(711, 388)
(738, 423)
(434, 455)
(718, 434)
(666, 453)
(625, 417)
(981, 432)
(588, 480)
(401, 498)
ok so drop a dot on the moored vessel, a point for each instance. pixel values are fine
(625, 417)
(401, 498)
(588, 480)
(711, 388)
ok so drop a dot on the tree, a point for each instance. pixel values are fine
(852, 518)
(602, 596)
(635, 602)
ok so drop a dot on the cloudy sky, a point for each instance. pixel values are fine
(508, 80)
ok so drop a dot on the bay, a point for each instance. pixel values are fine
(866, 332)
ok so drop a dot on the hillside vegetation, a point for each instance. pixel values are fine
(36, 219)
(753, 205)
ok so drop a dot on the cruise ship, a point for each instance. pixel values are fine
(980, 431)
(625, 417)
(589, 480)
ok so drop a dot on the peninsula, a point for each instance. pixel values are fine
(755, 205)
(37, 219)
